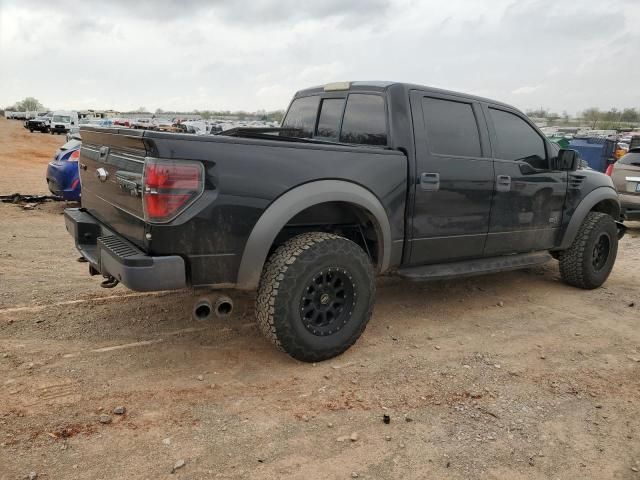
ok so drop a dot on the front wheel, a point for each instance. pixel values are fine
(589, 261)
(315, 296)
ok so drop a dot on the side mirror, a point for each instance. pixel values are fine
(567, 160)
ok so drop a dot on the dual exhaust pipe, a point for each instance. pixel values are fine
(204, 310)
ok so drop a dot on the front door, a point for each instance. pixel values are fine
(454, 179)
(526, 211)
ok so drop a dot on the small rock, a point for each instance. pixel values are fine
(497, 365)
(200, 378)
(33, 476)
(179, 464)
(40, 320)
(598, 406)
(29, 365)
(10, 321)
(635, 469)
(386, 418)
(354, 475)
(501, 303)
(167, 441)
(342, 438)
(305, 418)
(329, 425)
(437, 347)
(354, 437)
(5, 355)
(119, 410)
(104, 418)
(632, 304)
(327, 376)
(542, 357)
(387, 438)
(407, 418)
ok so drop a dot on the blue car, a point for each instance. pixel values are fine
(62, 172)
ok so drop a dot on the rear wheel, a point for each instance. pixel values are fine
(315, 296)
(589, 261)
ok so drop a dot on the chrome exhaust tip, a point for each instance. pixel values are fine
(223, 307)
(202, 310)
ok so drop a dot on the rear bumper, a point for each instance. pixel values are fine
(111, 255)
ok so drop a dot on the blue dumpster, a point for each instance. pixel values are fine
(596, 151)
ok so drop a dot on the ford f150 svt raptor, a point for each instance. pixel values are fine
(362, 178)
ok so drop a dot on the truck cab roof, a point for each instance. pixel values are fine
(381, 86)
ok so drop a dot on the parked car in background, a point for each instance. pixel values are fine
(145, 123)
(625, 174)
(121, 122)
(62, 121)
(62, 173)
(41, 123)
(165, 125)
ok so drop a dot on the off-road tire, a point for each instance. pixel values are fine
(576, 263)
(289, 272)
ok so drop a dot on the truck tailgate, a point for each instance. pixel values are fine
(111, 165)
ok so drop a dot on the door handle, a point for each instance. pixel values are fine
(430, 182)
(503, 183)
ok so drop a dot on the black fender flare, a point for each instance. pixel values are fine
(585, 206)
(285, 207)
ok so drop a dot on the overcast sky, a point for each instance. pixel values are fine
(254, 54)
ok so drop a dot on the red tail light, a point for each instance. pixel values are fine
(609, 170)
(169, 187)
(74, 156)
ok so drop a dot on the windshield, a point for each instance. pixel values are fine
(61, 118)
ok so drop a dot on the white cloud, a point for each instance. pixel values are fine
(254, 54)
(526, 90)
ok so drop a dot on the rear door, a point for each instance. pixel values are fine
(526, 210)
(111, 167)
(454, 179)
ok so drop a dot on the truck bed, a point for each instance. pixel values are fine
(243, 176)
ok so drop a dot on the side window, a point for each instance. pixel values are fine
(302, 116)
(631, 158)
(517, 140)
(329, 120)
(365, 120)
(451, 128)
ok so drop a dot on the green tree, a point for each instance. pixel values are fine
(592, 115)
(29, 104)
(630, 115)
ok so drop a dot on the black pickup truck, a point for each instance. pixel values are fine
(362, 178)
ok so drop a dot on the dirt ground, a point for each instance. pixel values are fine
(506, 376)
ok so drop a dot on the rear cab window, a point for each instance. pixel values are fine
(301, 116)
(356, 118)
(365, 120)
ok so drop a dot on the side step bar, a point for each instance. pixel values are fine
(479, 266)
